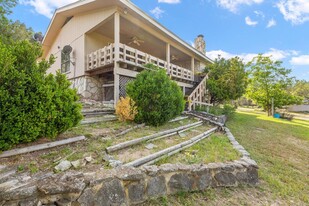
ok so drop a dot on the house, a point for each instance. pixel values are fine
(102, 45)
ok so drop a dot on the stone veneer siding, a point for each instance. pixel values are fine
(125, 185)
(89, 87)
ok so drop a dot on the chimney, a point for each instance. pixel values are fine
(200, 44)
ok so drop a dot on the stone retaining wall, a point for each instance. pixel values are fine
(126, 185)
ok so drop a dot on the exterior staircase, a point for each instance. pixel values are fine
(198, 96)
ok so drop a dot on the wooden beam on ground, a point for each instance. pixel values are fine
(178, 147)
(174, 133)
(40, 147)
(178, 119)
(142, 139)
(130, 129)
(206, 119)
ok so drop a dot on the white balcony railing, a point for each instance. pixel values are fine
(135, 57)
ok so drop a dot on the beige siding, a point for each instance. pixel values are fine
(95, 41)
(73, 33)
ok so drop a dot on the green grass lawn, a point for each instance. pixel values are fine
(281, 149)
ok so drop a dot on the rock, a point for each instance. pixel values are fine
(87, 198)
(63, 202)
(63, 183)
(76, 164)
(136, 192)
(63, 165)
(2, 167)
(180, 182)
(156, 186)
(88, 159)
(29, 202)
(19, 193)
(8, 184)
(115, 163)
(111, 193)
(225, 179)
(108, 158)
(150, 146)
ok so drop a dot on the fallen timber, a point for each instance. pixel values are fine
(174, 133)
(130, 129)
(178, 147)
(40, 147)
(206, 119)
(143, 139)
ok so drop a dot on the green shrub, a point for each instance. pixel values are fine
(228, 110)
(32, 105)
(157, 97)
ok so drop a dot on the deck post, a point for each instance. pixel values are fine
(192, 68)
(168, 57)
(116, 58)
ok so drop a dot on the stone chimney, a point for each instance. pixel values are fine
(200, 44)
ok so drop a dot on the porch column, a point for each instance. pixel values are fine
(168, 55)
(116, 58)
(192, 67)
(116, 35)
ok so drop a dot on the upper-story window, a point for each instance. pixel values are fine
(65, 62)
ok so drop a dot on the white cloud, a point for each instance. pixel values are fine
(300, 60)
(46, 7)
(250, 22)
(275, 54)
(232, 5)
(271, 23)
(169, 1)
(295, 11)
(259, 14)
(157, 12)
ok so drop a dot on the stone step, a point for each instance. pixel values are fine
(97, 113)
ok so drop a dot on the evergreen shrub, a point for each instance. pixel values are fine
(158, 98)
(32, 104)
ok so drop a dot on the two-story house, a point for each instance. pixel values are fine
(102, 45)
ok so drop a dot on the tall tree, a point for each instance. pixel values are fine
(12, 31)
(227, 79)
(301, 88)
(269, 80)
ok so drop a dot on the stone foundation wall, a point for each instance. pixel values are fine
(124, 185)
(89, 87)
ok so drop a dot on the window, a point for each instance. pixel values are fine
(65, 62)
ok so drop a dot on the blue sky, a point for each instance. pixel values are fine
(231, 27)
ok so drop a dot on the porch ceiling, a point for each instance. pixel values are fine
(151, 45)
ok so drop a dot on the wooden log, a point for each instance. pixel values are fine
(130, 129)
(207, 119)
(172, 153)
(40, 147)
(156, 155)
(178, 119)
(174, 133)
(142, 139)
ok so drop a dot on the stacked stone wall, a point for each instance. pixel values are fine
(89, 87)
(125, 185)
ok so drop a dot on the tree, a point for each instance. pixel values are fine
(227, 79)
(12, 31)
(32, 104)
(301, 89)
(269, 80)
(158, 98)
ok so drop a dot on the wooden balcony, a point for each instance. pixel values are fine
(131, 56)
